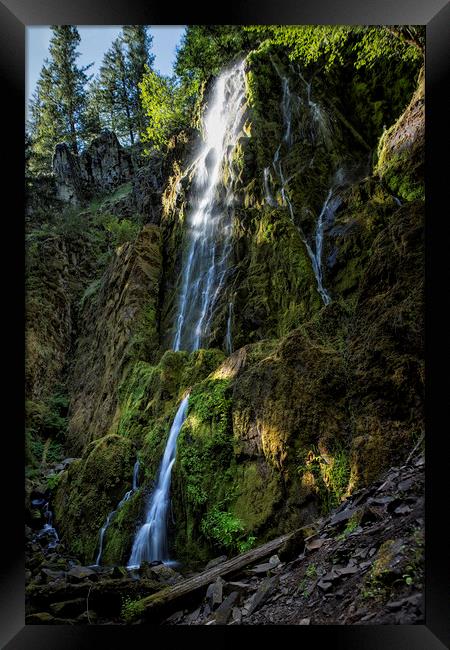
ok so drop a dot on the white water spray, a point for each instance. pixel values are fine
(150, 542)
(47, 536)
(209, 222)
(228, 338)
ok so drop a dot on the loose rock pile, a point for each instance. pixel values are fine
(363, 565)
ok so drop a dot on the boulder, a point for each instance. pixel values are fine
(51, 574)
(105, 164)
(214, 593)
(160, 572)
(266, 588)
(40, 618)
(87, 617)
(225, 609)
(80, 573)
(68, 177)
(69, 608)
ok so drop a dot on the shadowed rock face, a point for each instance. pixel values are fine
(112, 322)
(105, 164)
(48, 319)
(100, 168)
(66, 168)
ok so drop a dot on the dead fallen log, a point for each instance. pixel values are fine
(105, 595)
(160, 604)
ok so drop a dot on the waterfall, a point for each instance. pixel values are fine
(204, 271)
(209, 220)
(269, 198)
(150, 542)
(228, 339)
(47, 536)
(319, 127)
(326, 215)
(110, 517)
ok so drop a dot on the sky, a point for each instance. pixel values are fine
(95, 40)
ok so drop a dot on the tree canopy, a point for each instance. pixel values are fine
(69, 106)
(129, 97)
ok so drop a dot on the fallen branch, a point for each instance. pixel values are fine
(164, 599)
(416, 446)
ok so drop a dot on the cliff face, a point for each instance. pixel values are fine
(101, 168)
(323, 388)
(119, 323)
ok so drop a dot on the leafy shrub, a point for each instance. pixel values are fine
(52, 481)
(131, 609)
(331, 477)
(226, 530)
(122, 231)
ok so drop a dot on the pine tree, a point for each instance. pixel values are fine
(139, 42)
(123, 87)
(122, 70)
(107, 91)
(70, 82)
(46, 123)
(93, 115)
(57, 110)
(114, 84)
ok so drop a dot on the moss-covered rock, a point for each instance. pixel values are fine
(90, 489)
(48, 314)
(401, 152)
(120, 324)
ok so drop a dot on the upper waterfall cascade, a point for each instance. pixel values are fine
(209, 219)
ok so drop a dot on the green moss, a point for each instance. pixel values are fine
(89, 490)
(225, 530)
(102, 203)
(401, 179)
(400, 159)
(118, 538)
(210, 401)
(205, 443)
(258, 493)
(330, 472)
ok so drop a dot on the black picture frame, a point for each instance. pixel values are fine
(15, 16)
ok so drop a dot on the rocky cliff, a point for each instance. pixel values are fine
(311, 383)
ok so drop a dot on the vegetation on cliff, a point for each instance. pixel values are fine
(294, 402)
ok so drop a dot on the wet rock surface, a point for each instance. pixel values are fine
(364, 564)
